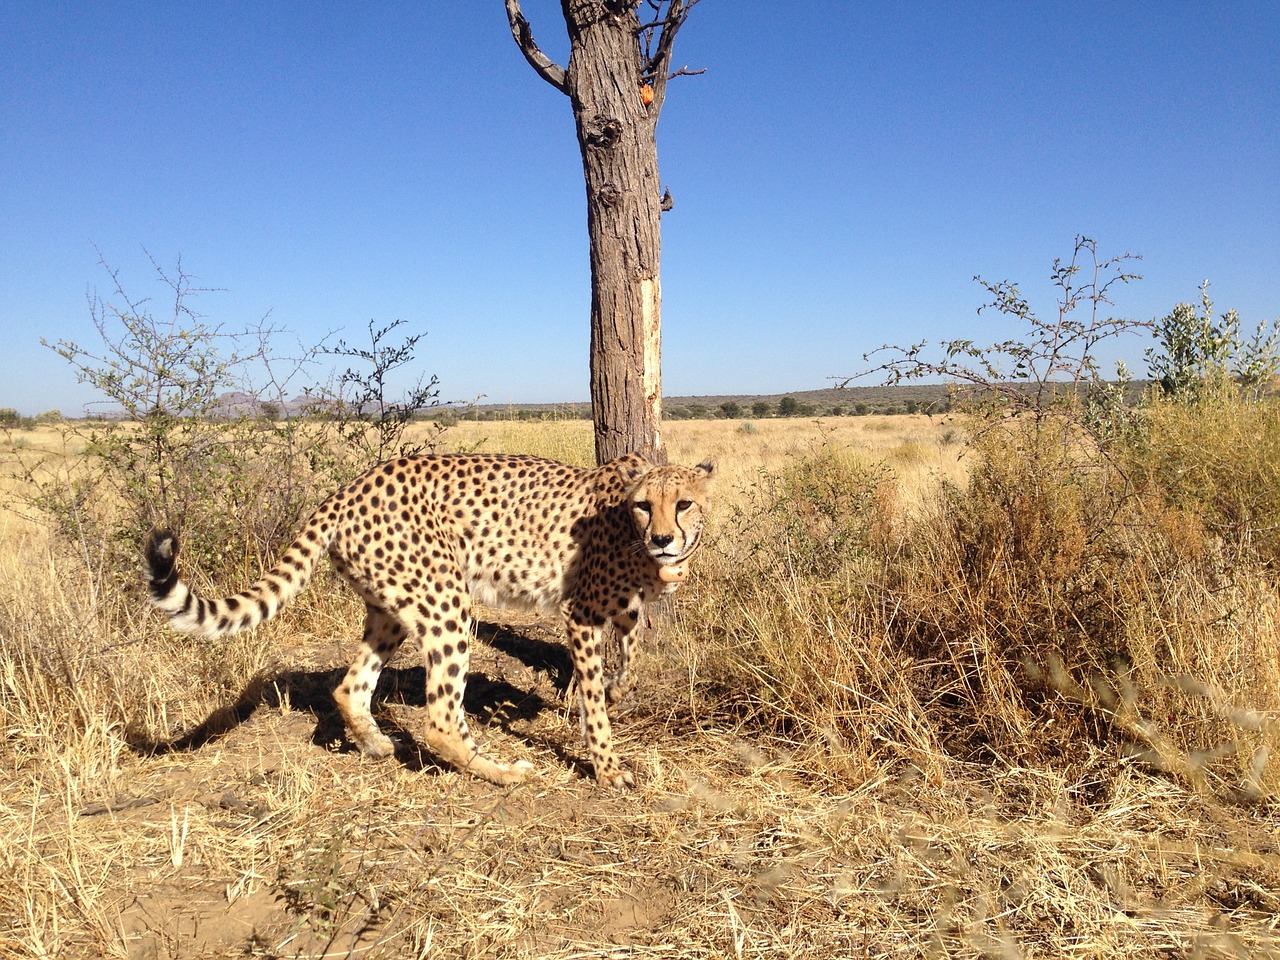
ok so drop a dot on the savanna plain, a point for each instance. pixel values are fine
(934, 688)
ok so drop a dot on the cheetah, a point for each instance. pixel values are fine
(422, 537)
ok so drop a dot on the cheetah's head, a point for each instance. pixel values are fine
(668, 505)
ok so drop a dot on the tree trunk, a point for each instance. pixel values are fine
(616, 135)
(616, 81)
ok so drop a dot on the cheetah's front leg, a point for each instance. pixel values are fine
(588, 668)
(624, 626)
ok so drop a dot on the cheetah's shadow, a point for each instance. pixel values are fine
(486, 701)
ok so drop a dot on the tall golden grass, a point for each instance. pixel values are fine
(923, 697)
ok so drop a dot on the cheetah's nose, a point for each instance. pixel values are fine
(661, 539)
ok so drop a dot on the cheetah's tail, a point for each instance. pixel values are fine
(199, 616)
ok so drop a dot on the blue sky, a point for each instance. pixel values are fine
(841, 172)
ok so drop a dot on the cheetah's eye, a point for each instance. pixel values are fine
(644, 506)
(684, 505)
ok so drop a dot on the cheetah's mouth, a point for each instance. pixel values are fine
(666, 557)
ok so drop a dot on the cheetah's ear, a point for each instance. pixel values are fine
(707, 468)
(631, 467)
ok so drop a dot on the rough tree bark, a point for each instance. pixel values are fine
(616, 82)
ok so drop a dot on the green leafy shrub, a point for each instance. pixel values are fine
(1197, 354)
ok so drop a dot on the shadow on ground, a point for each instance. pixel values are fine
(487, 701)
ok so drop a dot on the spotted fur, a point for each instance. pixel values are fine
(419, 538)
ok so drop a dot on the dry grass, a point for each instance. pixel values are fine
(808, 786)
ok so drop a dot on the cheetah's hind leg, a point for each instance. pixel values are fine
(446, 654)
(383, 635)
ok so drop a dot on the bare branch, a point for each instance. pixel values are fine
(686, 72)
(543, 65)
(658, 64)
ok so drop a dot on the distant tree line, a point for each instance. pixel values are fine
(791, 407)
(10, 419)
(271, 411)
(727, 410)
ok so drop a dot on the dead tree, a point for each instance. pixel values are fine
(616, 82)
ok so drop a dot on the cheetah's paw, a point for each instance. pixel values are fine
(616, 779)
(507, 774)
(376, 745)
